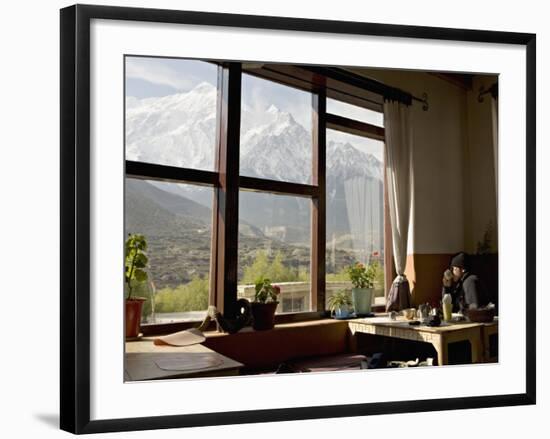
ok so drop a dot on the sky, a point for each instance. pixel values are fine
(155, 77)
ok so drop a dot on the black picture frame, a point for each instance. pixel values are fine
(75, 217)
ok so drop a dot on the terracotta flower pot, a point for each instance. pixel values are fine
(133, 316)
(264, 315)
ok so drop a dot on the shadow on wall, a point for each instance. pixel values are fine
(486, 267)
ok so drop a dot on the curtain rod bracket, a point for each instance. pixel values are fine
(425, 105)
(423, 100)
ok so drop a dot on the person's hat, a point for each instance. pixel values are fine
(460, 260)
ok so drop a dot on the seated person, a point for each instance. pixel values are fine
(465, 288)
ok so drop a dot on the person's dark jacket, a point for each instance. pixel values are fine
(468, 291)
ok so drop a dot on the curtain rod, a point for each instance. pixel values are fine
(353, 79)
(267, 67)
(387, 91)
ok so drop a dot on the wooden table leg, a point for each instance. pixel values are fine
(472, 336)
(440, 346)
(477, 348)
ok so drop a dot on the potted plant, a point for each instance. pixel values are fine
(135, 264)
(339, 304)
(264, 304)
(362, 278)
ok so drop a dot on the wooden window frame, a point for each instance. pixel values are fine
(363, 129)
(227, 182)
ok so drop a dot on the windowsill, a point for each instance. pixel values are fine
(168, 328)
(278, 327)
(282, 320)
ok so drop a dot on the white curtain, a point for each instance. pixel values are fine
(364, 205)
(398, 151)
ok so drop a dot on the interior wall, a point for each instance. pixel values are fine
(454, 189)
(480, 199)
(439, 138)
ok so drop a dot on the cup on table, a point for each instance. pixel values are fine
(447, 305)
(447, 312)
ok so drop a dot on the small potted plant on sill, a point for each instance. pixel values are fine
(340, 304)
(264, 304)
(135, 264)
(362, 278)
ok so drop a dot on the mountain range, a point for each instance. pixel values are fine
(180, 130)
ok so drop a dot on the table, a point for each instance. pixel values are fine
(439, 337)
(142, 359)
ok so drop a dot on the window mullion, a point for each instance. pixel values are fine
(318, 213)
(227, 193)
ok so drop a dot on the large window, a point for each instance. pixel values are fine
(275, 229)
(355, 208)
(171, 120)
(176, 220)
(171, 112)
(231, 176)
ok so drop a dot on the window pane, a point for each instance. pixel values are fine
(171, 112)
(275, 242)
(176, 222)
(276, 129)
(355, 208)
(354, 112)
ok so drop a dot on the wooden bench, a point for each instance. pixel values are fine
(268, 349)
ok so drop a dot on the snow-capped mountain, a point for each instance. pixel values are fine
(177, 130)
(180, 130)
(278, 149)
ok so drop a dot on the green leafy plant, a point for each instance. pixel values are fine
(339, 299)
(136, 261)
(362, 276)
(265, 292)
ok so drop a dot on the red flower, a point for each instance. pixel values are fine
(375, 253)
(277, 289)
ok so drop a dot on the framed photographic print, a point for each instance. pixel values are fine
(261, 213)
